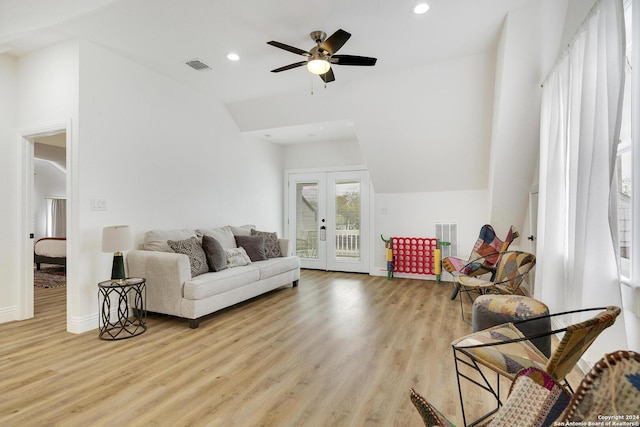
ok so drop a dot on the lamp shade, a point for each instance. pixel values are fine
(318, 66)
(116, 238)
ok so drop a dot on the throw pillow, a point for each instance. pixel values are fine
(191, 248)
(430, 415)
(223, 235)
(242, 230)
(254, 246)
(156, 240)
(216, 256)
(237, 257)
(271, 244)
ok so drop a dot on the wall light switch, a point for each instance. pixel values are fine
(98, 205)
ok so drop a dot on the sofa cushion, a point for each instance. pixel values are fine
(274, 266)
(191, 247)
(254, 246)
(216, 256)
(237, 257)
(210, 284)
(271, 244)
(242, 230)
(224, 235)
(156, 240)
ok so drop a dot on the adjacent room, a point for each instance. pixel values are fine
(318, 213)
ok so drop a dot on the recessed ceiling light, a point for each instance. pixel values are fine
(421, 8)
(233, 57)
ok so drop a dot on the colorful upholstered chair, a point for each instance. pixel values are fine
(535, 400)
(505, 350)
(612, 388)
(512, 267)
(486, 249)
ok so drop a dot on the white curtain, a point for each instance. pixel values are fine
(580, 123)
(57, 217)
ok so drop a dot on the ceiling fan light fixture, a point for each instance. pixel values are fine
(318, 66)
(421, 8)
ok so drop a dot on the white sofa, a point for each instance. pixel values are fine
(172, 290)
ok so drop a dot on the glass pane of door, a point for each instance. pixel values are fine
(328, 214)
(307, 220)
(347, 220)
(347, 223)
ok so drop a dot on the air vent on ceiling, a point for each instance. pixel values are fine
(197, 65)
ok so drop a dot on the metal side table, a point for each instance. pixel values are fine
(130, 317)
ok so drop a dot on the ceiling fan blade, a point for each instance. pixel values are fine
(328, 77)
(290, 66)
(335, 41)
(353, 60)
(289, 48)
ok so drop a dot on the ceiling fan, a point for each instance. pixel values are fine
(322, 56)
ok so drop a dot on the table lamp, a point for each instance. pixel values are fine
(116, 239)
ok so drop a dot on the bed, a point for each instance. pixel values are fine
(50, 250)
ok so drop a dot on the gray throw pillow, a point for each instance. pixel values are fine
(254, 246)
(216, 257)
(191, 247)
(271, 244)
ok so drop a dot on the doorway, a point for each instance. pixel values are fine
(329, 219)
(52, 150)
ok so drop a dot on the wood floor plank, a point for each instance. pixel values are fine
(340, 349)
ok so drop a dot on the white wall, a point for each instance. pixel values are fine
(415, 215)
(161, 156)
(48, 86)
(426, 128)
(526, 52)
(9, 176)
(323, 154)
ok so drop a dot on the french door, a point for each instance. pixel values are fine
(329, 220)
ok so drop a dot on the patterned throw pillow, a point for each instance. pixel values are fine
(430, 415)
(191, 247)
(271, 244)
(535, 400)
(237, 257)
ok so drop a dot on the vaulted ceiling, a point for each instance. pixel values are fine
(164, 34)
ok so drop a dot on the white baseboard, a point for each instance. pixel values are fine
(379, 272)
(8, 314)
(80, 325)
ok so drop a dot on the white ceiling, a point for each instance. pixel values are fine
(163, 34)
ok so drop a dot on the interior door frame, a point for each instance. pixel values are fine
(367, 212)
(26, 140)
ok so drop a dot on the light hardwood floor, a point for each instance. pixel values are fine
(339, 350)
